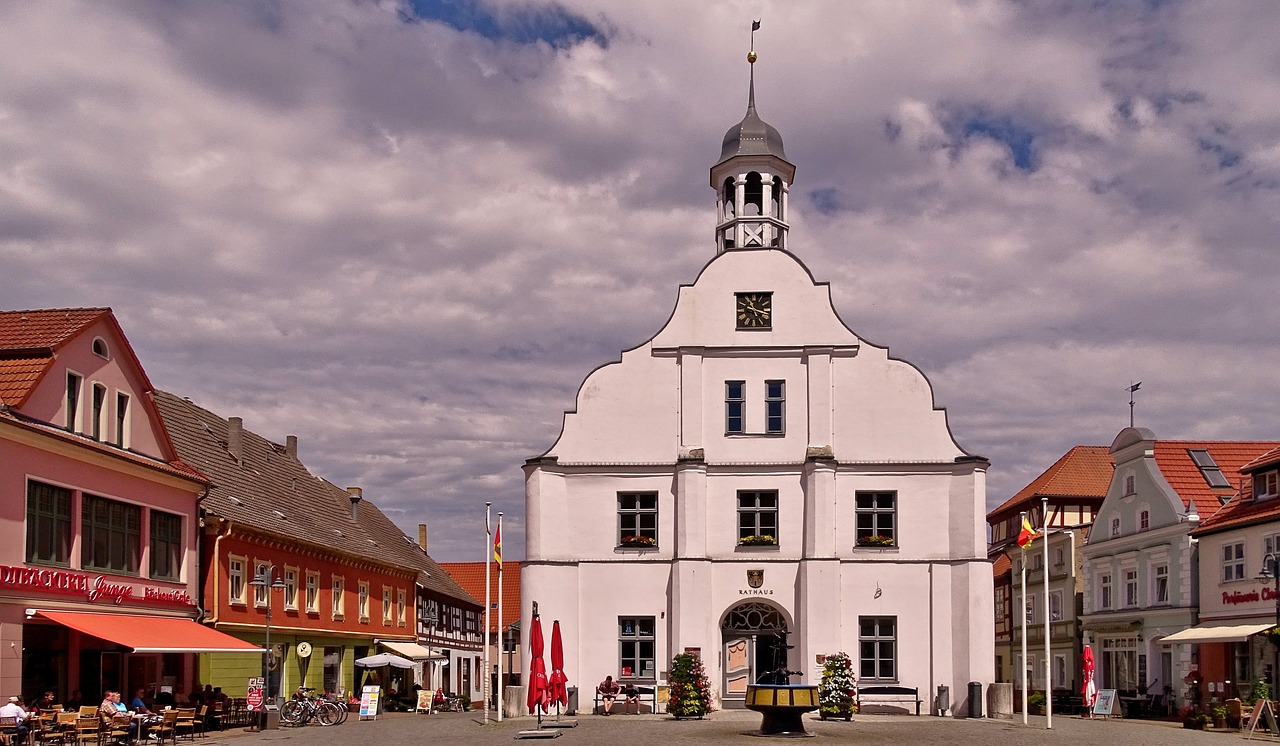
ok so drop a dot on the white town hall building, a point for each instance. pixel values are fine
(755, 469)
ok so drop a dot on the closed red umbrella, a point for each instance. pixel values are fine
(559, 691)
(1089, 690)
(537, 669)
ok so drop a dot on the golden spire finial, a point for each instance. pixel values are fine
(751, 56)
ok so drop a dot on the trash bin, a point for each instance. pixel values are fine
(572, 707)
(975, 699)
(942, 702)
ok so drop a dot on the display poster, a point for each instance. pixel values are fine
(369, 697)
(1105, 704)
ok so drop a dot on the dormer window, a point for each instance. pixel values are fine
(100, 348)
(1266, 485)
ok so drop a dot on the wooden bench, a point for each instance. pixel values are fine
(888, 695)
(643, 693)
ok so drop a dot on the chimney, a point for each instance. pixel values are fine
(235, 439)
(291, 446)
(356, 495)
(422, 536)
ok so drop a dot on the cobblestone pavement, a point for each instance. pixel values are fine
(734, 726)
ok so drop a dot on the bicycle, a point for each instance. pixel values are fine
(302, 710)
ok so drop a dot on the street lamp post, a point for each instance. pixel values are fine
(268, 581)
(1271, 571)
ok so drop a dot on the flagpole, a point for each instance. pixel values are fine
(488, 551)
(1048, 667)
(498, 544)
(1023, 614)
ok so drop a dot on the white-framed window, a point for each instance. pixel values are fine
(1055, 606)
(313, 592)
(236, 579)
(735, 404)
(1115, 526)
(362, 600)
(638, 519)
(338, 603)
(636, 648)
(291, 588)
(166, 545)
(1059, 671)
(878, 648)
(1266, 484)
(98, 425)
(1233, 561)
(122, 420)
(74, 383)
(1104, 591)
(1144, 520)
(876, 516)
(386, 605)
(1160, 584)
(758, 516)
(1130, 588)
(261, 569)
(400, 607)
(775, 407)
(99, 348)
(1031, 608)
(1059, 556)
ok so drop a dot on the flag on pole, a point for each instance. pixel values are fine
(1027, 534)
(497, 545)
(755, 25)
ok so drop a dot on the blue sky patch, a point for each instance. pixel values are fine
(825, 200)
(528, 24)
(1020, 139)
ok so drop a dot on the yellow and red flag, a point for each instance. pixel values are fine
(497, 545)
(1027, 534)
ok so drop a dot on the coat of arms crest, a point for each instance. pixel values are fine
(755, 578)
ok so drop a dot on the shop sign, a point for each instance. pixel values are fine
(96, 588)
(1248, 597)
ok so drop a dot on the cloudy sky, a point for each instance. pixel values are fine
(405, 231)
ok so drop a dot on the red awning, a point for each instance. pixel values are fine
(151, 634)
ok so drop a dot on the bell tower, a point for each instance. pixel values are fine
(751, 182)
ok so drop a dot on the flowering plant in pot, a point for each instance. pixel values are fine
(637, 540)
(759, 540)
(876, 541)
(835, 694)
(690, 690)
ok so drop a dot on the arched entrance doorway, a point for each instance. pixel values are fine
(752, 633)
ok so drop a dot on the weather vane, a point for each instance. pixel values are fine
(1132, 388)
(751, 56)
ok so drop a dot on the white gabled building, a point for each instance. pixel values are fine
(755, 412)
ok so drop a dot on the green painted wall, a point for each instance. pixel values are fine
(232, 671)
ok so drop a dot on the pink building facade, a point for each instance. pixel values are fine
(98, 516)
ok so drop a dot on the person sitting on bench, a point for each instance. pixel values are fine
(608, 690)
(632, 698)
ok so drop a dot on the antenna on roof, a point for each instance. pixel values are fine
(1132, 388)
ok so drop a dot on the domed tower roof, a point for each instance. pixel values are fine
(753, 135)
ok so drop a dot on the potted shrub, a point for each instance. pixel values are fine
(689, 692)
(638, 541)
(876, 541)
(835, 694)
(1260, 690)
(759, 540)
(1035, 703)
(1220, 717)
(1195, 720)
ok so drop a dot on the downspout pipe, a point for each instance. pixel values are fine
(212, 619)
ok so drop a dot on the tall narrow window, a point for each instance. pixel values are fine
(99, 411)
(758, 517)
(878, 648)
(1055, 606)
(1130, 588)
(1144, 520)
(775, 403)
(166, 545)
(291, 588)
(111, 535)
(734, 404)
(1233, 561)
(638, 519)
(48, 524)
(362, 601)
(235, 580)
(636, 648)
(400, 607)
(876, 519)
(73, 400)
(338, 605)
(262, 593)
(1104, 591)
(1161, 589)
(386, 605)
(313, 593)
(122, 420)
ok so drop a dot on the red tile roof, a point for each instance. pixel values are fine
(1267, 459)
(1084, 471)
(28, 340)
(470, 575)
(1188, 481)
(1002, 565)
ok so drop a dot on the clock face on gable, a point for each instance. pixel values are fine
(754, 310)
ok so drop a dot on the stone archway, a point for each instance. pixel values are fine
(750, 634)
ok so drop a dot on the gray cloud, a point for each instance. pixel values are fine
(408, 244)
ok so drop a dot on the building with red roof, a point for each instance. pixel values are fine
(1142, 588)
(470, 575)
(99, 578)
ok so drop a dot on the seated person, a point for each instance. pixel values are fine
(438, 701)
(14, 710)
(633, 698)
(608, 691)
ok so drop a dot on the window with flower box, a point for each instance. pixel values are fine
(876, 522)
(758, 517)
(638, 519)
